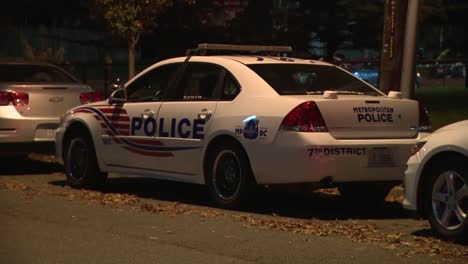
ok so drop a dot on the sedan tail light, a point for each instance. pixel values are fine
(17, 98)
(424, 120)
(305, 117)
(90, 97)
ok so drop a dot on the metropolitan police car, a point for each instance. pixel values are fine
(236, 121)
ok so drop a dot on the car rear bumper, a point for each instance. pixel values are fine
(314, 157)
(15, 128)
(58, 145)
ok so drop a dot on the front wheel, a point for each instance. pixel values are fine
(446, 199)
(80, 164)
(228, 175)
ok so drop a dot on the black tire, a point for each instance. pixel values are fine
(365, 193)
(80, 164)
(228, 175)
(438, 199)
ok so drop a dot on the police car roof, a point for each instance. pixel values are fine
(256, 59)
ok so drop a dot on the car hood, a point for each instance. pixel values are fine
(462, 125)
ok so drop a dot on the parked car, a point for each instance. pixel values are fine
(436, 182)
(33, 97)
(232, 122)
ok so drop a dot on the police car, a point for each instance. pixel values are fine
(236, 121)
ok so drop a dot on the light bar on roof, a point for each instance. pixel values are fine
(252, 48)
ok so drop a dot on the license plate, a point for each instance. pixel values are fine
(380, 157)
(51, 132)
(44, 134)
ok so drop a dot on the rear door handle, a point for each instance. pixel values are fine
(147, 114)
(205, 114)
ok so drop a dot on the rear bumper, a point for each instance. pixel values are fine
(58, 146)
(15, 128)
(313, 157)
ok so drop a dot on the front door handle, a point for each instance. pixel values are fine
(147, 114)
(205, 114)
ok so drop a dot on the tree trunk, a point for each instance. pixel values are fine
(131, 59)
(392, 45)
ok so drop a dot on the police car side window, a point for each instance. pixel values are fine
(199, 82)
(151, 86)
(231, 87)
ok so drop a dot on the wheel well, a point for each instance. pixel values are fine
(74, 129)
(428, 167)
(219, 140)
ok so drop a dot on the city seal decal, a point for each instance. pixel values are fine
(250, 130)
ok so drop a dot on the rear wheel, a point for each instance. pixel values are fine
(80, 163)
(228, 175)
(446, 198)
(365, 193)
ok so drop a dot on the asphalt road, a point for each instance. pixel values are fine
(136, 220)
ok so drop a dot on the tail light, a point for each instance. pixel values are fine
(305, 117)
(424, 120)
(17, 98)
(90, 97)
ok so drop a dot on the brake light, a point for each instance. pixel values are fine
(90, 97)
(305, 117)
(17, 98)
(424, 120)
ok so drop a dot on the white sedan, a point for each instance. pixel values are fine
(236, 121)
(436, 182)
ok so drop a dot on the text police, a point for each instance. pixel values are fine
(374, 114)
(183, 128)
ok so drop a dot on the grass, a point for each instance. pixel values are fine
(446, 105)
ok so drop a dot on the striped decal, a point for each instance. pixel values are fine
(116, 122)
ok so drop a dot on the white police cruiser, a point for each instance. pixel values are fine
(236, 121)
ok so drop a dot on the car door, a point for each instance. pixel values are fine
(185, 116)
(129, 133)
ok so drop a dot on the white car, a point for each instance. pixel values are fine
(235, 121)
(436, 182)
(33, 97)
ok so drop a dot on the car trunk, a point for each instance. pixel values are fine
(49, 100)
(370, 117)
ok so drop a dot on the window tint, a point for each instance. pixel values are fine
(297, 79)
(33, 74)
(199, 82)
(152, 85)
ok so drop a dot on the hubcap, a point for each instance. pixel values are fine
(449, 200)
(77, 159)
(226, 174)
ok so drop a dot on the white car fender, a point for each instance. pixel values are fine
(437, 143)
(89, 122)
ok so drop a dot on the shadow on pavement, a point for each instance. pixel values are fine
(316, 205)
(24, 165)
(428, 233)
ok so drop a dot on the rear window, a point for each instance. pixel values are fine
(300, 79)
(33, 74)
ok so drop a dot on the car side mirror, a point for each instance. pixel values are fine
(116, 84)
(118, 96)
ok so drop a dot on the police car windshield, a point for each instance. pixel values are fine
(305, 79)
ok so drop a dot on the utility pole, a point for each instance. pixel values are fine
(409, 52)
(391, 58)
